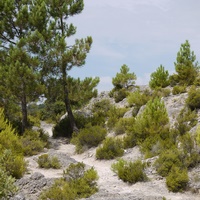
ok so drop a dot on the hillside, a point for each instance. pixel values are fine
(110, 186)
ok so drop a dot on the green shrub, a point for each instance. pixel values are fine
(11, 150)
(138, 98)
(44, 137)
(9, 139)
(190, 155)
(173, 79)
(123, 125)
(74, 171)
(82, 181)
(186, 120)
(177, 180)
(151, 122)
(90, 136)
(120, 94)
(178, 89)
(124, 79)
(197, 80)
(186, 66)
(151, 146)
(114, 115)
(159, 78)
(110, 149)
(76, 183)
(102, 107)
(161, 92)
(59, 190)
(7, 186)
(130, 140)
(44, 161)
(13, 163)
(33, 142)
(166, 160)
(52, 111)
(193, 100)
(33, 121)
(130, 172)
(197, 136)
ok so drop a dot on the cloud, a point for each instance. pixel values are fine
(105, 84)
(105, 50)
(140, 33)
(143, 80)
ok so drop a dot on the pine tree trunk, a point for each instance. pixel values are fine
(69, 111)
(24, 113)
(67, 104)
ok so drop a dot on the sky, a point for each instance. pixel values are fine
(143, 34)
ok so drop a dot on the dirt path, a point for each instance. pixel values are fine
(109, 184)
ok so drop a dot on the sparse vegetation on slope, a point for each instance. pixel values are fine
(130, 172)
(76, 183)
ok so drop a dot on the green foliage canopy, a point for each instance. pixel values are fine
(159, 78)
(186, 66)
(124, 79)
(19, 68)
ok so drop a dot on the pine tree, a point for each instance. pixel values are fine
(186, 66)
(33, 38)
(18, 69)
(57, 57)
(124, 79)
(159, 78)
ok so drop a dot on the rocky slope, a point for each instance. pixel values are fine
(110, 187)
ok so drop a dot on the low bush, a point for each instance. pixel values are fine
(161, 92)
(81, 180)
(130, 172)
(102, 107)
(50, 111)
(100, 111)
(193, 100)
(7, 186)
(9, 138)
(178, 89)
(197, 135)
(11, 150)
(33, 121)
(76, 183)
(190, 155)
(114, 115)
(110, 149)
(130, 140)
(186, 120)
(120, 94)
(151, 146)
(44, 161)
(166, 160)
(177, 180)
(123, 125)
(59, 190)
(89, 137)
(151, 123)
(33, 142)
(13, 163)
(138, 98)
(159, 78)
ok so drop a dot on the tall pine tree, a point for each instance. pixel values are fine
(57, 57)
(19, 68)
(186, 66)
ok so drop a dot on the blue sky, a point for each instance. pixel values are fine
(139, 33)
